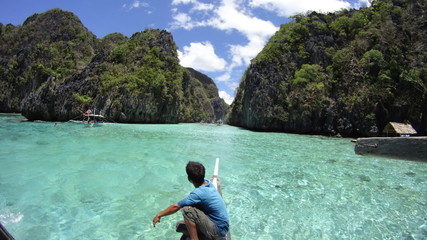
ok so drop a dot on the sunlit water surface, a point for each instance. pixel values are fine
(68, 181)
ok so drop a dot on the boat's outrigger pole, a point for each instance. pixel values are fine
(215, 181)
(215, 177)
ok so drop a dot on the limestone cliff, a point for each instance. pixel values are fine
(347, 73)
(52, 68)
(53, 44)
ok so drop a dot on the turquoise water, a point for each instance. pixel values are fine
(73, 182)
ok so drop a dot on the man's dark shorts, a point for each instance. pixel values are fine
(204, 225)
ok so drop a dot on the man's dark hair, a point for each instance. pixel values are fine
(195, 172)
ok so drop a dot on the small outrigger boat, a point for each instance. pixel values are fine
(91, 119)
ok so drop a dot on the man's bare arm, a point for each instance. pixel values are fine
(168, 211)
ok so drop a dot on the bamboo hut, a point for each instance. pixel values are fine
(394, 129)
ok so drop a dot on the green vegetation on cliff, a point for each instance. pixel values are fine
(54, 43)
(347, 73)
(53, 68)
(138, 65)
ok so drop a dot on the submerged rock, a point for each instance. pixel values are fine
(410, 148)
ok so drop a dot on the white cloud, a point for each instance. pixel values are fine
(286, 8)
(177, 2)
(227, 98)
(229, 16)
(225, 77)
(201, 56)
(199, 6)
(361, 3)
(135, 4)
(203, 7)
(233, 85)
(242, 55)
(183, 20)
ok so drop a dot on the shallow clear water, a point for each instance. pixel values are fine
(73, 182)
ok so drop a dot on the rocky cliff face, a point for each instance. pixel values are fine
(65, 69)
(53, 44)
(216, 104)
(347, 73)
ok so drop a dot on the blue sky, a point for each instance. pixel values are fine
(216, 37)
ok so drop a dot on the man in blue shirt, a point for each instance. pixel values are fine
(204, 209)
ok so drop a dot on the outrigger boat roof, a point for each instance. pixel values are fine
(94, 115)
(91, 118)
